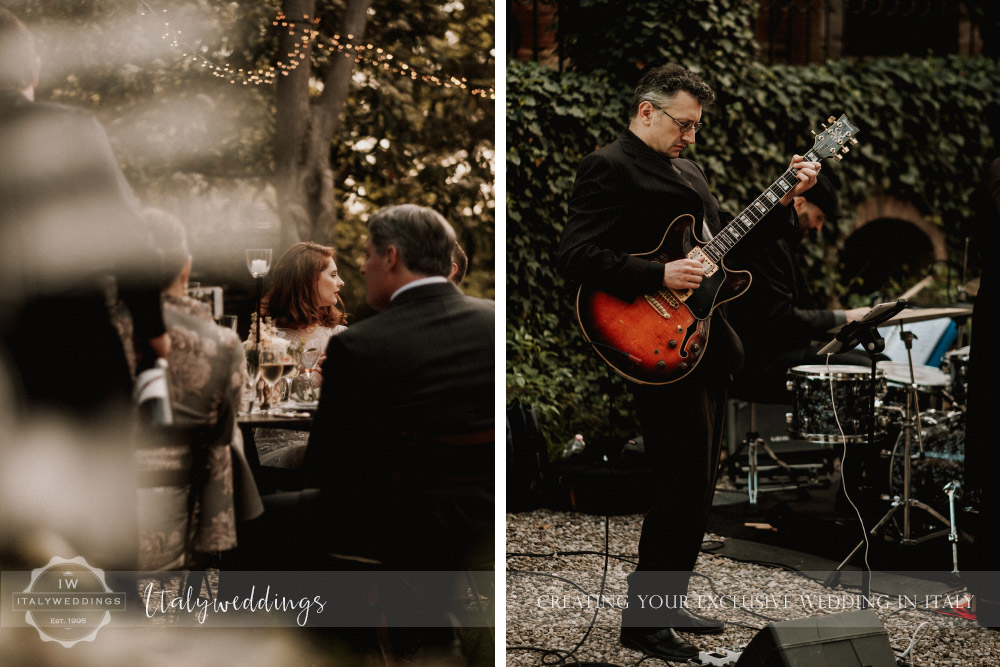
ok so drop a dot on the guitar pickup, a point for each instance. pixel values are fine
(707, 265)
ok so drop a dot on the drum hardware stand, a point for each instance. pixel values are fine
(865, 332)
(753, 442)
(952, 489)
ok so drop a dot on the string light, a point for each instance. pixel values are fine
(311, 39)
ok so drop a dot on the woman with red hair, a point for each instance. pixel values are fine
(303, 300)
(305, 308)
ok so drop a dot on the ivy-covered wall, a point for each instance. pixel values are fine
(922, 140)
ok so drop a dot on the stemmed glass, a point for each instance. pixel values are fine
(258, 263)
(253, 371)
(310, 358)
(271, 368)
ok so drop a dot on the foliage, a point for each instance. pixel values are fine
(202, 146)
(922, 140)
(552, 122)
(709, 36)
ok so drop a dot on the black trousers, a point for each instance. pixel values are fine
(682, 426)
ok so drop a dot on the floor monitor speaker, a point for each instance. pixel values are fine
(853, 639)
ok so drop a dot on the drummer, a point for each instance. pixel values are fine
(777, 319)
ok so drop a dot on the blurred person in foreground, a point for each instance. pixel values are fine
(68, 224)
(69, 233)
(207, 371)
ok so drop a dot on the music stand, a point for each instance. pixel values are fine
(864, 332)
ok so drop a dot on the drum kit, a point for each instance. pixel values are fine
(841, 404)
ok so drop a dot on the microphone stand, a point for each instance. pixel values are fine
(864, 332)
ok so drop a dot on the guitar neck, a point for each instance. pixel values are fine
(738, 228)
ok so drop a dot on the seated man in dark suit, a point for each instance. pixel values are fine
(402, 440)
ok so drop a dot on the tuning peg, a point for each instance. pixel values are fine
(846, 149)
(823, 125)
(813, 132)
(831, 120)
(838, 157)
(854, 142)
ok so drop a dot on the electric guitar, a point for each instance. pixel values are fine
(659, 338)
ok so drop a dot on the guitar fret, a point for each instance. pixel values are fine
(739, 226)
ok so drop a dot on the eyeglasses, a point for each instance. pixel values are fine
(686, 125)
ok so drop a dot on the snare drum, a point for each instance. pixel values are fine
(812, 417)
(956, 363)
(930, 382)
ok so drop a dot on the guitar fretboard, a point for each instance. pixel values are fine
(741, 225)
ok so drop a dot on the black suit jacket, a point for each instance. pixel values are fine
(624, 198)
(407, 407)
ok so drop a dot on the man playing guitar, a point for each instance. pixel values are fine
(625, 195)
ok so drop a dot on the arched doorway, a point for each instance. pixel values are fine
(891, 244)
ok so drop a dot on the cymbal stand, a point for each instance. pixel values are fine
(907, 501)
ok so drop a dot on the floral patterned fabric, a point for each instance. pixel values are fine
(207, 370)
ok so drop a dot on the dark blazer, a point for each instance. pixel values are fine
(407, 405)
(625, 196)
(68, 220)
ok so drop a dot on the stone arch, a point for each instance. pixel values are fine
(887, 207)
(889, 240)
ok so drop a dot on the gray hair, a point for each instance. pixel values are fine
(660, 85)
(421, 236)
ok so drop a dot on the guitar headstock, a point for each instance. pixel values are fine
(835, 138)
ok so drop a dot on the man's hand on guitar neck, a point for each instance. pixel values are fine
(683, 274)
(806, 172)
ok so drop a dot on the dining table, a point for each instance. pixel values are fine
(293, 420)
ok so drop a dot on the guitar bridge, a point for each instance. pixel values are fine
(657, 306)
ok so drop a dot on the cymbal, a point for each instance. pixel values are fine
(909, 315)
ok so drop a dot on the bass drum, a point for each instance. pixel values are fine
(812, 417)
(943, 459)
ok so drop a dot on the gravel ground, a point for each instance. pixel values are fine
(552, 599)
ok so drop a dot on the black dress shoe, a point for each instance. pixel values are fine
(684, 621)
(663, 643)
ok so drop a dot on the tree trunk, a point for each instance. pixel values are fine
(305, 128)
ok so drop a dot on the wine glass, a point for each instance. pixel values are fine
(303, 384)
(289, 369)
(258, 261)
(253, 374)
(271, 368)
